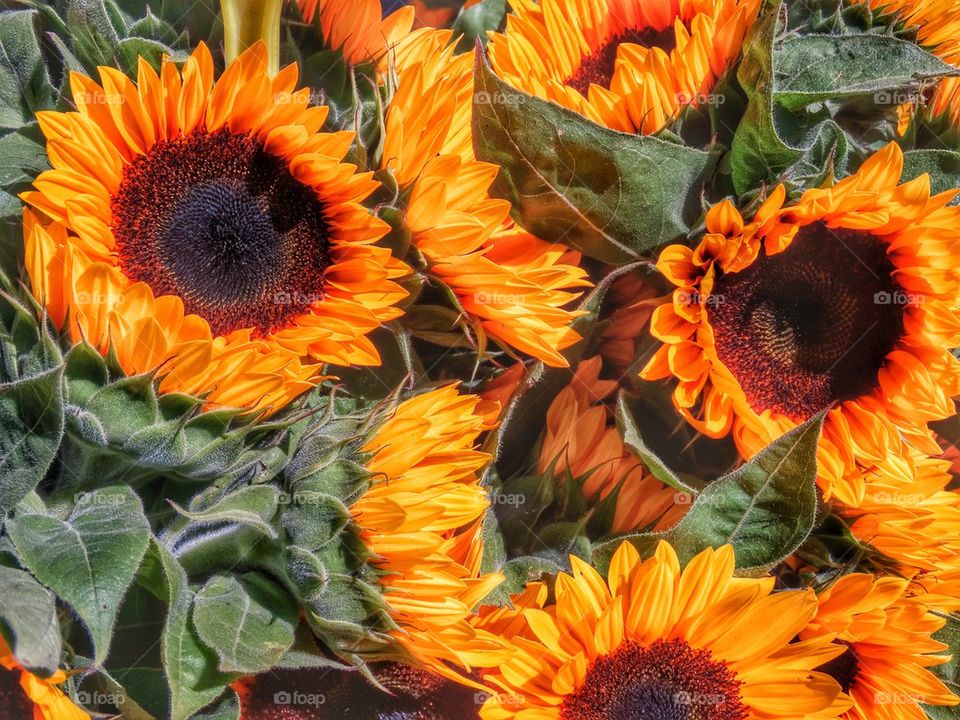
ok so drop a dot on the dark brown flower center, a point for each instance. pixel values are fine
(597, 67)
(668, 680)
(14, 703)
(810, 326)
(843, 668)
(412, 694)
(219, 222)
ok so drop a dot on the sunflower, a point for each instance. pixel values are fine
(910, 516)
(655, 642)
(843, 302)
(30, 696)
(514, 286)
(908, 513)
(422, 519)
(630, 65)
(887, 647)
(209, 230)
(581, 440)
(357, 28)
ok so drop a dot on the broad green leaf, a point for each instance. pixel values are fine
(21, 159)
(769, 138)
(25, 85)
(191, 667)
(812, 68)
(28, 619)
(89, 559)
(476, 21)
(249, 621)
(765, 508)
(31, 427)
(943, 167)
(612, 195)
(949, 672)
(633, 439)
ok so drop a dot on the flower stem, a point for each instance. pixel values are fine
(247, 21)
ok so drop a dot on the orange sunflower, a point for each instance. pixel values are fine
(29, 696)
(357, 28)
(630, 65)
(422, 519)
(886, 637)
(210, 230)
(653, 641)
(515, 287)
(582, 440)
(842, 302)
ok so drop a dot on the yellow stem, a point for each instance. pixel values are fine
(247, 21)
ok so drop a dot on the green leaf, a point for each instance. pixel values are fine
(476, 21)
(769, 138)
(21, 159)
(949, 672)
(812, 68)
(226, 708)
(634, 440)
(765, 508)
(943, 167)
(90, 559)
(25, 85)
(28, 619)
(611, 195)
(191, 667)
(253, 506)
(31, 427)
(248, 621)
